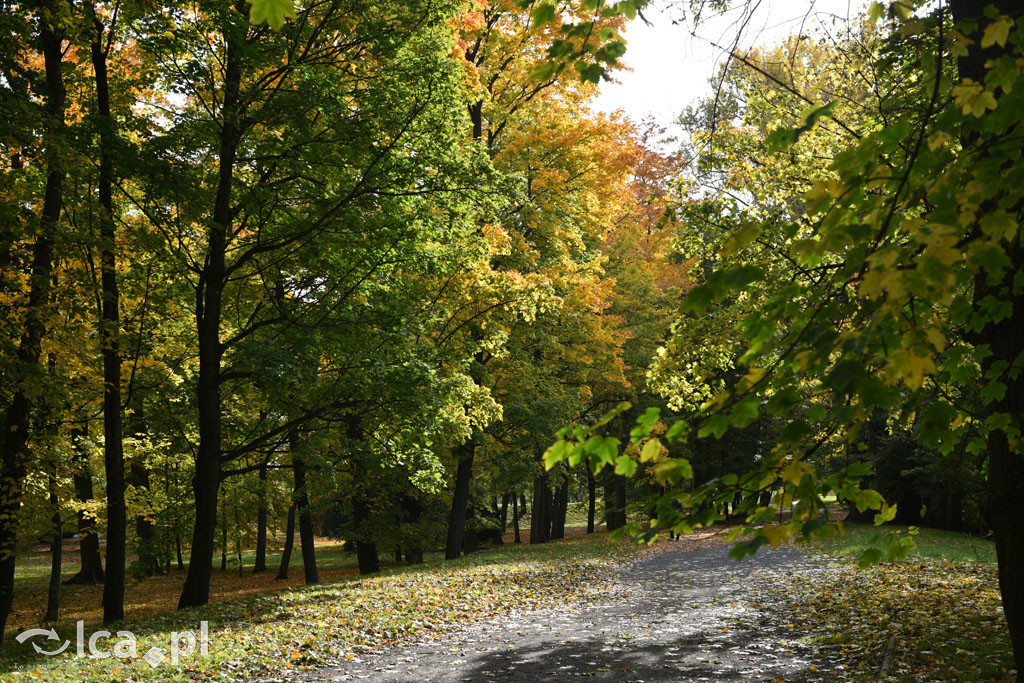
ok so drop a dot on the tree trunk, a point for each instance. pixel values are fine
(620, 501)
(305, 518)
(591, 500)
(91, 571)
(540, 523)
(16, 420)
(238, 545)
(110, 329)
(177, 548)
(470, 537)
(149, 558)
(1006, 342)
(609, 502)
(223, 541)
(261, 521)
(413, 511)
(366, 551)
(460, 499)
(209, 297)
(289, 541)
(515, 518)
(56, 555)
(559, 509)
(503, 513)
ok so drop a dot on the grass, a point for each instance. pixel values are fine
(940, 607)
(267, 627)
(932, 544)
(160, 593)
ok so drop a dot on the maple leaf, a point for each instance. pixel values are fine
(273, 12)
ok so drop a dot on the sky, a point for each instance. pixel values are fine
(671, 67)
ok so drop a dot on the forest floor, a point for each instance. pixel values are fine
(685, 612)
(586, 607)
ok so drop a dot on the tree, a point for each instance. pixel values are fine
(912, 235)
(47, 35)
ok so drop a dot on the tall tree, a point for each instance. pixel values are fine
(110, 330)
(48, 37)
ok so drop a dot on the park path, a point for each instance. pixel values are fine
(673, 615)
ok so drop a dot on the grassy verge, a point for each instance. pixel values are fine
(933, 544)
(940, 609)
(305, 626)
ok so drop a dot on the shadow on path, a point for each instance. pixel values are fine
(675, 615)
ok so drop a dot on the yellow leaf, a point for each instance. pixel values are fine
(997, 32)
(651, 450)
(775, 534)
(794, 472)
(911, 367)
(754, 376)
(938, 139)
(973, 98)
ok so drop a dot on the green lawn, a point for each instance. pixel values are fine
(933, 544)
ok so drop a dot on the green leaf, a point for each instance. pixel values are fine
(993, 391)
(556, 453)
(543, 13)
(679, 431)
(887, 514)
(697, 300)
(743, 276)
(811, 115)
(273, 12)
(607, 450)
(543, 71)
(869, 557)
(673, 470)
(625, 466)
(592, 73)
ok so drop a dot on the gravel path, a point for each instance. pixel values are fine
(675, 615)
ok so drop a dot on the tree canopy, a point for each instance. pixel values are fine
(351, 267)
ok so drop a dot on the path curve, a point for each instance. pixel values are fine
(673, 615)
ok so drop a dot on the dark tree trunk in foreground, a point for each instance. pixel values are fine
(591, 500)
(110, 329)
(289, 541)
(1006, 341)
(209, 300)
(305, 517)
(91, 571)
(460, 500)
(261, 521)
(16, 419)
(540, 523)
